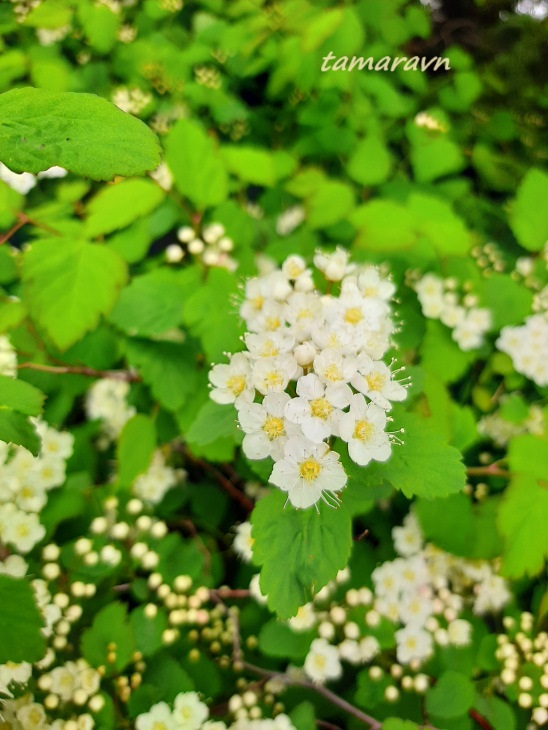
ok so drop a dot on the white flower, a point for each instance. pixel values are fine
(413, 643)
(363, 429)
(331, 366)
(8, 358)
(375, 381)
(294, 267)
(408, 539)
(415, 609)
(266, 428)
(349, 650)
(156, 481)
(232, 382)
(32, 716)
(14, 565)
(21, 530)
(459, 632)
(243, 542)
(371, 284)
(20, 182)
(106, 400)
(492, 595)
(159, 717)
(318, 408)
(255, 590)
(268, 344)
(189, 711)
(322, 662)
(333, 265)
(307, 471)
(272, 375)
(304, 619)
(289, 220)
(369, 648)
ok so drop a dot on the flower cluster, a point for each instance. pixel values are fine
(528, 347)
(106, 401)
(152, 486)
(312, 370)
(25, 481)
(439, 300)
(523, 654)
(131, 100)
(289, 220)
(212, 247)
(501, 430)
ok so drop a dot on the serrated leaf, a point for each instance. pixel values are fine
(425, 465)
(150, 305)
(148, 630)
(453, 695)
(529, 216)
(69, 284)
(135, 448)
(20, 622)
(196, 163)
(116, 206)
(15, 428)
(213, 422)
(168, 676)
(168, 368)
(110, 626)
(83, 133)
(299, 551)
(20, 396)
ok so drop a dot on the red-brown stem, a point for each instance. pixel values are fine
(129, 376)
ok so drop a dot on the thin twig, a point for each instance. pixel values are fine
(129, 376)
(487, 471)
(22, 220)
(482, 721)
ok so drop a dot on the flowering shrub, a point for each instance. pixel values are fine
(273, 356)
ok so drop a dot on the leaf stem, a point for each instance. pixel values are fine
(130, 376)
(22, 220)
(488, 471)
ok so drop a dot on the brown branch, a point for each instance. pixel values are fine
(22, 220)
(487, 471)
(481, 721)
(220, 478)
(130, 376)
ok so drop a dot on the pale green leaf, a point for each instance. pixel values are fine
(83, 133)
(15, 428)
(20, 396)
(371, 161)
(116, 206)
(69, 284)
(529, 216)
(453, 695)
(299, 551)
(136, 448)
(20, 622)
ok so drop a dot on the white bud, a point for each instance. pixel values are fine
(305, 353)
(185, 234)
(174, 253)
(196, 246)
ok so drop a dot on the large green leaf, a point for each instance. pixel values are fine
(69, 283)
(529, 216)
(453, 695)
(81, 132)
(20, 622)
(110, 627)
(135, 448)
(15, 428)
(425, 465)
(523, 513)
(299, 551)
(116, 206)
(196, 163)
(20, 396)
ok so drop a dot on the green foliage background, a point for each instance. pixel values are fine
(244, 116)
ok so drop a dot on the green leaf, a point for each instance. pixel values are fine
(20, 396)
(440, 354)
(299, 551)
(522, 522)
(393, 723)
(280, 640)
(150, 305)
(116, 206)
(15, 428)
(303, 716)
(371, 161)
(83, 133)
(383, 225)
(497, 712)
(135, 448)
(20, 622)
(330, 202)
(168, 368)
(196, 163)
(436, 220)
(453, 695)
(148, 631)
(213, 422)
(69, 283)
(425, 465)
(10, 203)
(529, 216)
(167, 675)
(110, 628)
(434, 158)
(250, 164)
(509, 301)
(100, 25)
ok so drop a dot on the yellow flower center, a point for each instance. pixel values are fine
(363, 430)
(370, 291)
(320, 408)
(236, 383)
(274, 427)
(310, 470)
(272, 323)
(269, 349)
(159, 725)
(353, 315)
(257, 302)
(320, 661)
(22, 530)
(376, 381)
(411, 642)
(305, 313)
(333, 373)
(273, 379)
